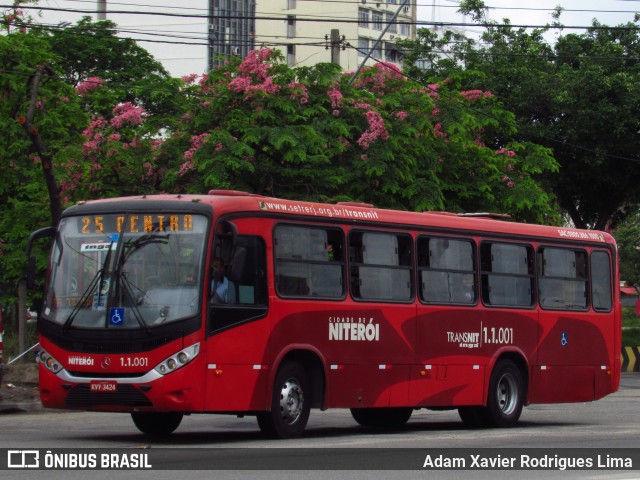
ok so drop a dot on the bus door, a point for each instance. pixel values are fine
(237, 329)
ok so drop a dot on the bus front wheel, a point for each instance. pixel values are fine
(290, 404)
(156, 423)
(473, 417)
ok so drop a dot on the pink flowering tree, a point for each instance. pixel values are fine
(262, 126)
(117, 157)
(476, 170)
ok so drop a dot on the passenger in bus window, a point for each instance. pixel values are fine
(222, 289)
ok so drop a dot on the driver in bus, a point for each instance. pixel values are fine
(222, 289)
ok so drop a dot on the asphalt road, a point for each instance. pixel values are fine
(611, 423)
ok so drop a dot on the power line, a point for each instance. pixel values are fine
(326, 19)
(489, 7)
(317, 42)
(314, 42)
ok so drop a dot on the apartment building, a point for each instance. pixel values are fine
(306, 30)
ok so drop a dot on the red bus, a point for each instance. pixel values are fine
(321, 306)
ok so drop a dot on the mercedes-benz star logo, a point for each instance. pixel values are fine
(106, 363)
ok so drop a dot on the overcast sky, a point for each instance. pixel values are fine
(184, 59)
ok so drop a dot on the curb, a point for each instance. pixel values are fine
(8, 406)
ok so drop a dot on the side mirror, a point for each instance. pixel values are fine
(31, 273)
(31, 262)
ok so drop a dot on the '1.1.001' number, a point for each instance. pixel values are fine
(134, 362)
(497, 335)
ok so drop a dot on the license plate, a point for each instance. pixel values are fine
(104, 386)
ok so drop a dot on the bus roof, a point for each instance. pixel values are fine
(226, 202)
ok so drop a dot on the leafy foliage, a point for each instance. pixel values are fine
(578, 97)
(628, 238)
(44, 118)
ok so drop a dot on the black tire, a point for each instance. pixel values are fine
(506, 395)
(290, 403)
(155, 423)
(382, 417)
(470, 416)
(473, 417)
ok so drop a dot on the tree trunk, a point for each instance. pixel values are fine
(38, 144)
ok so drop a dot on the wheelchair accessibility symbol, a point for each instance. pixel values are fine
(563, 339)
(116, 316)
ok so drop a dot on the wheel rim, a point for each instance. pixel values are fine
(507, 394)
(291, 401)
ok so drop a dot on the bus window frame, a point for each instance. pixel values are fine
(343, 263)
(236, 314)
(474, 262)
(412, 265)
(587, 278)
(611, 280)
(532, 276)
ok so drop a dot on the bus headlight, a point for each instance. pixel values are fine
(178, 360)
(49, 362)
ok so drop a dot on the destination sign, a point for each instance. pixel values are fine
(134, 223)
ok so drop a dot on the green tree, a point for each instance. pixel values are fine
(255, 124)
(627, 235)
(578, 97)
(50, 100)
(36, 121)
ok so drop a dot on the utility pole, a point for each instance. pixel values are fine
(335, 46)
(102, 10)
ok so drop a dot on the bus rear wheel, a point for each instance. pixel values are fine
(290, 403)
(381, 417)
(156, 423)
(506, 395)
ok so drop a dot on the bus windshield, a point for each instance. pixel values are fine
(126, 271)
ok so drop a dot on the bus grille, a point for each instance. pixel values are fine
(127, 395)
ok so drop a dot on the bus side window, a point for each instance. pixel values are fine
(247, 270)
(507, 274)
(563, 279)
(309, 261)
(381, 266)
(447, 273)
(601, 281)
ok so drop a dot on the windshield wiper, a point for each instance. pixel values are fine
(98, 279)
(123, 283)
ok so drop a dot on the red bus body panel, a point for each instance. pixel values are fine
(372, 354)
